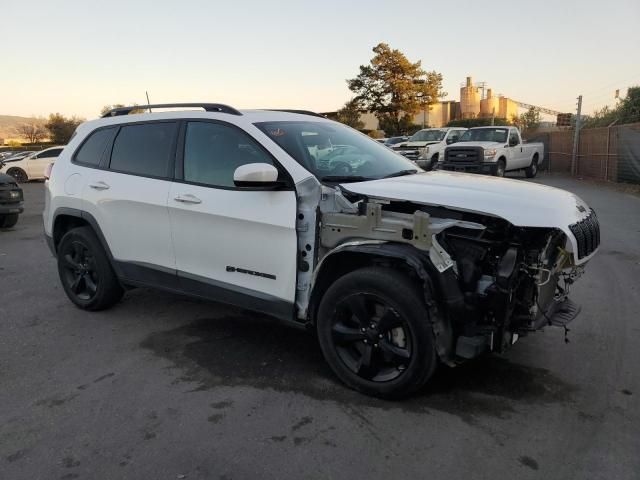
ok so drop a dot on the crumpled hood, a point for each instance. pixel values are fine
(521, 203)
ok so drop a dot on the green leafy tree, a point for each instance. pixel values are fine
(528, 121)
(395, 89)
(349, 114)
(629, 107)
(61, 128)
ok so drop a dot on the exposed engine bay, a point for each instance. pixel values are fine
(493, 281)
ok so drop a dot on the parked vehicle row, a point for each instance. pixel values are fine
(305, 219)
(27, 166)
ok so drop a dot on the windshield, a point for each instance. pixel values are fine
(485, 135)
(335, 152)
(428, 136)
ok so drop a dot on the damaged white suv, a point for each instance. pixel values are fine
(307, 220)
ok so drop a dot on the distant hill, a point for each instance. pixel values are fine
(9, 123)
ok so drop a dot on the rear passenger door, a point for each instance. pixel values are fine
(126, 193)
(235, 244)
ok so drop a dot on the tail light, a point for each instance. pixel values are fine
(47, 171)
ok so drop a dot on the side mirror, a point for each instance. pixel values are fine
(451, 140)
(513, 142)
(256, 175)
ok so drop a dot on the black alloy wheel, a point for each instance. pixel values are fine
(79, 271)
(85, 271)
(374, 331)
(371, 338)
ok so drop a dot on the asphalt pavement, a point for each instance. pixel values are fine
(165, 387)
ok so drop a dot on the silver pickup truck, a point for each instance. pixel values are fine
(493, 151)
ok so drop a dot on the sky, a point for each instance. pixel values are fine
(74, 57)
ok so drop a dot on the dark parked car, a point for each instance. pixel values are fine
(10, 201)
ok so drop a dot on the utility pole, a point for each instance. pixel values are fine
(576, 138)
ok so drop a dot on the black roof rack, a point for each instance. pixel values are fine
(208, 107)
(301, 112)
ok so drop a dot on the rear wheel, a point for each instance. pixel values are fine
(8, 221)
(500, 168)
(532, 170)
(18, 174)
(375, 334)
(85, 271)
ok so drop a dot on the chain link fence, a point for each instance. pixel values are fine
(606, 153)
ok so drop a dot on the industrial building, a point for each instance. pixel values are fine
(475, 101)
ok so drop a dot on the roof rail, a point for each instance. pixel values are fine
(301, 112)
(208, 107)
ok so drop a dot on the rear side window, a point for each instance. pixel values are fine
(91, 151)
(144, 149)
(50, 153)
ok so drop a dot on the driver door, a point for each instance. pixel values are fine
(235, 244)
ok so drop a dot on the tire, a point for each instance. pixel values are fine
(532, 170)
(9, 220)
(500, 168)
(434, 162)
(18, 174)
(85, 271)
(395, 354)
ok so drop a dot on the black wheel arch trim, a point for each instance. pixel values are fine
(440, 301)
(93, 223)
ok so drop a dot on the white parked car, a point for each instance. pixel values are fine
(310, 221)
(494, 151)
(33, 166)
(425, 147)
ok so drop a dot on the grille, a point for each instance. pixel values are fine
(463, 155)
(587, 233)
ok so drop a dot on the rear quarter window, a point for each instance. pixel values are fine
(93, 148)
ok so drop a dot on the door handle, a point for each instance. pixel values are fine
(188, 198)
(99, 186)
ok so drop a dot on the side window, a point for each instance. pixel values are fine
(213, 151)
(91, 151)
(50, 153)
(144, 149)
(454, 136)
(513, 138)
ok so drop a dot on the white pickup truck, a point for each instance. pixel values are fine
(492, 150)
(427, 146)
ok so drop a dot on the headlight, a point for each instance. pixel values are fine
(490, 153)
(422, 152)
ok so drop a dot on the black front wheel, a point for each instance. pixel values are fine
(500, 168)
(85, 272)
(374, 332)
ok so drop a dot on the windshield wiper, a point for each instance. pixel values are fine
(401, 173)
(345, 178)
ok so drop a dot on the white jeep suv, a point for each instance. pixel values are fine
(307, 220)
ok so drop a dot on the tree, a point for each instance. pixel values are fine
(349, 114)
(395, 89)
(629, 107)
(33, 132)
(61, 128)
(530, 120)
